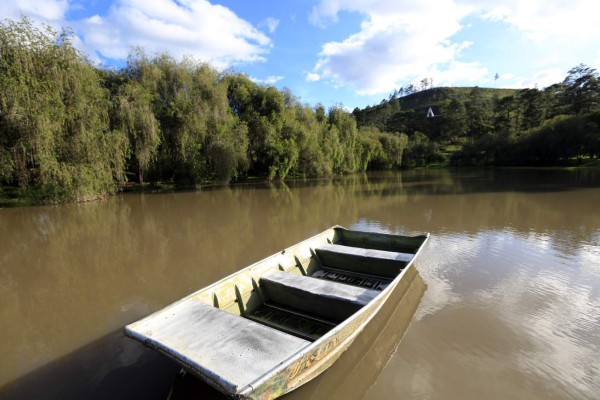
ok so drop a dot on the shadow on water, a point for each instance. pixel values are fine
(357, 369)
(112, 367)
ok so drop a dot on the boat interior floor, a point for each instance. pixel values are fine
(343, 281)
(352, 278)
(285, 319)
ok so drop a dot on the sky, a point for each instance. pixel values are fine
(352, 53)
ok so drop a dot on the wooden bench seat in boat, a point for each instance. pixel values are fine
(325, 299)
(229, 350)
(366, 261)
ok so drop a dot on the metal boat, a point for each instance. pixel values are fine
(275, 325)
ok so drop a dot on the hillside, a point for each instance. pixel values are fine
(557, 125)
(435, 97)
(408, 113)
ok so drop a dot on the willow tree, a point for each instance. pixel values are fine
(262, 109)
(369, 145)
(301, 126)
(342, 126)
(227, 137)
(132, 91)
(54, 125)
(198, 138)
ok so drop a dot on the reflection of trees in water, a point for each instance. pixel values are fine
(553, 202)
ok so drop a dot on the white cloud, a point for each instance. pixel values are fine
(271, 24)
(402, 42)
(540, 79)
(196, 28)
(460, 72)
(312, 77)
(47, 10)
(396, 43)
(269, 80)
(546, 19)
(188, 27)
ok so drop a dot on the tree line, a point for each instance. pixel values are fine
(70, 131)
(541, 127)
(549, 126)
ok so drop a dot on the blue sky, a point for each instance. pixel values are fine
(350, 52)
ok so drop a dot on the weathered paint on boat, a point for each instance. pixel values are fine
(241, 294)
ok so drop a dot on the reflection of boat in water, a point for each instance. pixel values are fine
(279, 323)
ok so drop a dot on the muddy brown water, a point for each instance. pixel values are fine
(506, 304)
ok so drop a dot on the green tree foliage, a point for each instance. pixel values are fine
(508, 115)
(479, 114)
(380, 150)
(555, 100)
(261, 108)
(554, 142)
(71, 131)
(288, 138)
(54, 122)
(377, 117)
(189, 111)
(559, 139)
(593, 141)
(532, 103)
(582, 89)
(545, 127)
(303, 128)
(342, 127)
(226, 150)
(371, 149)
(455, 122)
(177, 114)
(133, 115)
(421, 151)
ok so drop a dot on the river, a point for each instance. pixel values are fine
(507, 303)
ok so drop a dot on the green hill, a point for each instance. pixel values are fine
(435, 97)
(409, 113)
(556, 125)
